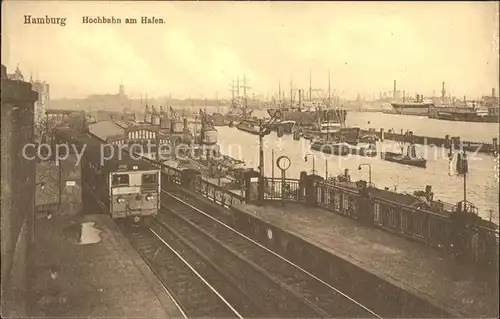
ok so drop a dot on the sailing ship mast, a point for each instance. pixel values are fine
(279, 93)
(238, 86)
(245, 96)
(310, 85)
(233, 90)
(328, 109)
(217, 99)
(329, 94)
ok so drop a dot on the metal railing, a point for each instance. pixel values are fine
(172, 177)
(338, 199)
(217, 194)
(431, 228)
(279, 189)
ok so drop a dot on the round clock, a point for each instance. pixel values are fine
(283, 162)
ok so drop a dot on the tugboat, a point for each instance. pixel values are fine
(409, 159)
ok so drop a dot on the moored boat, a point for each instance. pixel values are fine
(248, 127)
(411, 108)
(341, 149)
(406, 159)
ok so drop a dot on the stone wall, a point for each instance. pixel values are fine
(18, 191)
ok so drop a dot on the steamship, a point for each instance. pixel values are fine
(485, 110)
(409, 106)
(413, 107)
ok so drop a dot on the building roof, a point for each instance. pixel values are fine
(106, 130)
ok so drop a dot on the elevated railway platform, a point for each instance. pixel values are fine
(83, 264)
(86, 268)
(394, 276)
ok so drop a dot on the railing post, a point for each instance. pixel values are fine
(364, 214)
(188, 178)
(310, 188)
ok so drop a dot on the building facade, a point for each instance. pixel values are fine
(43, 103)
(18, 182)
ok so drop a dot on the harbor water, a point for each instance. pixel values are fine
(482, 180)
(420, 125)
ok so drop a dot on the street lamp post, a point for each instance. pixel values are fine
(369, 173)
(264, 129)
(326, 169)
(314, 161)
(272, 161)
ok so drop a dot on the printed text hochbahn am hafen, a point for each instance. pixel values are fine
(114, 20)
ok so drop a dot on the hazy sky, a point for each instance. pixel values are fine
(203, 46)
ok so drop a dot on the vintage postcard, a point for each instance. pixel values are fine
(256, 159)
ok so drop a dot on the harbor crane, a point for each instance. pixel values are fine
(205, 119)
(175, 115)
(162, 111)
(154, 111)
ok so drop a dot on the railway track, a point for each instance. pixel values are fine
(295, 292)
(191, 291)
(272, 297)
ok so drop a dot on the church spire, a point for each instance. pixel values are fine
(18, 75)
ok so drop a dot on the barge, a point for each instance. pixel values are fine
(409, 158)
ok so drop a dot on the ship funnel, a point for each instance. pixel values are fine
(300, 98)
(493, 92)
(428, 193)
(394, 90)
(428, 189)
(443, 92)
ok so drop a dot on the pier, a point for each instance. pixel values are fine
(445, 142)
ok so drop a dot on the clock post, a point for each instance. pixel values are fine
(283, 163)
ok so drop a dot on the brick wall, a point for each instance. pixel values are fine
(17, 197)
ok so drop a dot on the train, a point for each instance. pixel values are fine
(124, 186)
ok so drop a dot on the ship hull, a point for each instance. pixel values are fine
(464, 117)
(310, 118)
(400, 159)
(420, 109)
(251, 130)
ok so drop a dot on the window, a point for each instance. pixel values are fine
(149, 179)
(120, 180)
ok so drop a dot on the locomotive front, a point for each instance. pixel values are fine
(134, 193)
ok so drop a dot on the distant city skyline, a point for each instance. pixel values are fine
(203, 46)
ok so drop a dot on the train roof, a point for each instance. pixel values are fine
(113, 157)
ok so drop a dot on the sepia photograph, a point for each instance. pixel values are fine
(250, 159)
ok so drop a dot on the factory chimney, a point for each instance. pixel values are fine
(493, 92)
(394, 90)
